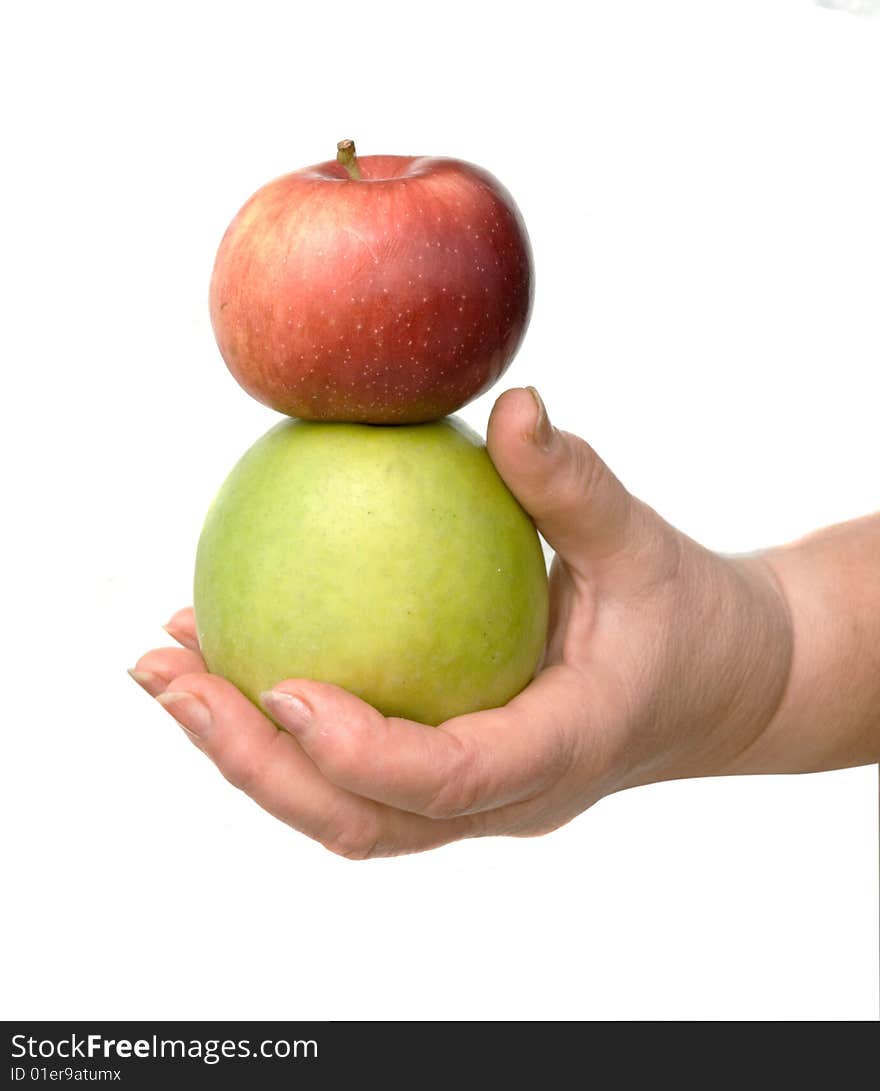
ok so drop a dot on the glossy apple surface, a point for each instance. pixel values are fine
(391, 561)
(395, 298)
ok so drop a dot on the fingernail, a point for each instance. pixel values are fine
(543, 429)
(181, 630)
(174, 632)
(150, 681)
(192, 714)
(291, 712)
(169, 624)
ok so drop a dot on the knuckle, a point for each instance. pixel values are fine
(463, 786)
(343, 753)
(586, 469)
(353, 841)
(241, 772)
(244, 767)
(338, 753)
(577, 478)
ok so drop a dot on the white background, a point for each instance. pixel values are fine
(701, 182)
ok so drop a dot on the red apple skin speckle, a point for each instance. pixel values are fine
(392, 299)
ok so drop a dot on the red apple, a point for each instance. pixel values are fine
(383, 289)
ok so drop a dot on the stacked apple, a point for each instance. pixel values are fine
(377, 291)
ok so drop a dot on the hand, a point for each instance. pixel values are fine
(663, 660)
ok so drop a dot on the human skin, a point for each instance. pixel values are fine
(664, 660)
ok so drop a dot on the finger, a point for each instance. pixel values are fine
(271, 767)
(470, 764)
(182, 628)
(159, 667)
(576, 501)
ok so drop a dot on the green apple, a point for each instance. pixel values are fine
(390, 560)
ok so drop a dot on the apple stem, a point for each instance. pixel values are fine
(346, 155)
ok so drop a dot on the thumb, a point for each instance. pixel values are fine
(579, 506)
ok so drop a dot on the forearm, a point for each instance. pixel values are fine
(829, 716)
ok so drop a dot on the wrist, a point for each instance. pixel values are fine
(768, 655)
(830, 713)
(722, 676)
